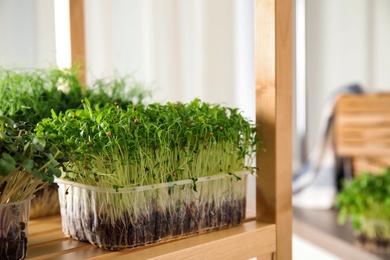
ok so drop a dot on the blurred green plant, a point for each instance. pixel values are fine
(124, 90)
(364, 198)
(30, 95)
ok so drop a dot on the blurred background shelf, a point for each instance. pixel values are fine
(322, 229)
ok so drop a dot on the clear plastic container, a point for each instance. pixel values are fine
(374, 235)
(130, 217)
(14, 229)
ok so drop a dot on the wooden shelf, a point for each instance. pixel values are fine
(251, 239)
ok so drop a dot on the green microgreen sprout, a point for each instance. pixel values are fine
(366, 201)
(144, 145)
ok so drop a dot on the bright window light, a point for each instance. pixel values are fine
(62, 33)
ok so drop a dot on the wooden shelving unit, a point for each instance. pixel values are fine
(268, 236)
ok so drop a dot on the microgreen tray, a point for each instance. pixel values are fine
(136, 216)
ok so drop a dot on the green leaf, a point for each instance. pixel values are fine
(5, 167)
(53, 114)
(40, 141)
(57, 173)
(87, 102)
(159, 133)
(7, 164)
(9, 159)
(57, 153)
(53, 172)
(28, 165)
(38, 147)
(99, 118)
(40, 175)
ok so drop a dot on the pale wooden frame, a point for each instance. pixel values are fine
(77, 37)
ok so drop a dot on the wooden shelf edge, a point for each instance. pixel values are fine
(245, 241)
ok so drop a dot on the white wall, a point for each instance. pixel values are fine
(380, 16)
(183, 49)
(27, 33)
(347, 42)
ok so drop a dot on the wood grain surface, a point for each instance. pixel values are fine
(47, 241)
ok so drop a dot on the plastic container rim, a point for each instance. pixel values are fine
(16, 202)
(149, 187)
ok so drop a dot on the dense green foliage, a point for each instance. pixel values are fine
(365, 197)
(30, 95)
(25, 161)
(139, 145)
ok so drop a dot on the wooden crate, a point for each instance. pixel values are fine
(374, 165)
(362, 131)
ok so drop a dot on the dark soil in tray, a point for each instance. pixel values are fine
(14, 246)
(160, 225)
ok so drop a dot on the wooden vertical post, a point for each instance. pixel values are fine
(273, 69)
(77, 37)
